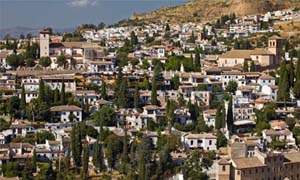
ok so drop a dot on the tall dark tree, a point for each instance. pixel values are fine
(296, 89)
(23, 100)
(97, 155)
(154, 100)
(136, 97)
(144, 159)
(122, 97)
(167, 28)
(63, 93)
(245, 67)
(229, 118)
(133, 38)
(253, 66)
(85, 161)
(41, 96)
(56, 96)
(197, 60)
(218, 120)
(34, 160)
(76, 146)
(283, 87)
(124, 156)
(103, 91)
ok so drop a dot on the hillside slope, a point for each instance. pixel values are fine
(206, 10)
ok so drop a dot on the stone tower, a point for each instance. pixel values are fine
(44, 43)
(275, 47)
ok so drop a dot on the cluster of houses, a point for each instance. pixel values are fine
(95, 64)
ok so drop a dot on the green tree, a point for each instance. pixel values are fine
(245, 67)
(253, 66)
(154, 100)
(219, 116)
(56, 96)
(232, 86)
(229, 118)
(41, 95)
(197, 60)
(63, 93)
(296, 89)
(103, 91)
(23, 100)
(33, 161)
(61, 61)
(85, 161)
(14, 60)
(221, 140)
(105, 117)
(133, 38)
(122, 99)
(175, 82)
(29, 62)
(76, 146)
(124, 156)
(97, 155)
(283, 87)
(136, 97)
(45, 61)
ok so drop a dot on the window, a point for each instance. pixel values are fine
(238, 172)
(223, 168)
(192, 142)
(210, 142)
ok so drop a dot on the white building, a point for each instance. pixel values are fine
(66, 113)
(209, 117)
(200, 141)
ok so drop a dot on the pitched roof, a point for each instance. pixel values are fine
(237, 54)
(244, 163)
(266, 77)
(293, 157)
(260, 51)
(223, 162)
(65, 108)
(198, 136)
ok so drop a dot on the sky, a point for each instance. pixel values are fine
(71, 13)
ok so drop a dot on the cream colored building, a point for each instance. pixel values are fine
(261, 56)
(263, 166)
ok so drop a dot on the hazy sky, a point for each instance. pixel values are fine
(70, 13)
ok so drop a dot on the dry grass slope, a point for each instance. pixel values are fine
(207, 10)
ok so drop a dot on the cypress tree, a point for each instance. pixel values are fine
(97, 155)
(136, 97)
(103, 91)
(291, 73)
(122, 96)
(41, 97)
(85, 161)
(218, 121)
(23, 100)
(56, 96)
(124, 156)
(63, 93)
(230, 116)
(283, 88)
(76, 146)
(154, 100)
(33, 161)
(197, 60)
(245, 67)
(296, 89)
(253, 66)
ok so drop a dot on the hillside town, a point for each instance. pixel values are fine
(195, 101)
